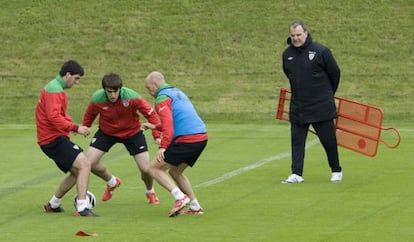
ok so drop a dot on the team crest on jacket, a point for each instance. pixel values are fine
(125, 103)
(311, 55)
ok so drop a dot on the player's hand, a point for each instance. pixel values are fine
(160, 155)
(148, 126)
(158, 141)
(83, 130)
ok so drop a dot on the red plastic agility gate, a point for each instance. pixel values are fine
(358, 126)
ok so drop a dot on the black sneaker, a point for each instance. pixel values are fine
(86, 213)
(48, 208)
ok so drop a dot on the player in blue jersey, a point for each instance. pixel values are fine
(184, 137)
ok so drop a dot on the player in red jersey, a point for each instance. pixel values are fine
(119, 110)
(53, 136)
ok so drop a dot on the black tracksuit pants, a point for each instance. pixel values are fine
(326, 133)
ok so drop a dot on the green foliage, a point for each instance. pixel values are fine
(237, 181)
(225, 54)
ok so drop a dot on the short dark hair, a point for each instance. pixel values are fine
(72, 67)
(112, 80)
(297, 23)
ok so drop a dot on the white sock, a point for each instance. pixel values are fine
(150, 190)
(55, 202)
(112, 181)
(177, 193)
(81, 204)
(194, 205)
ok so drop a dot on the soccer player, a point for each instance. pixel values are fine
(184, 137)
(314, 78)
(53, 136)
(118, 108)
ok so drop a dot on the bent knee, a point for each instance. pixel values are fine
(82, 162)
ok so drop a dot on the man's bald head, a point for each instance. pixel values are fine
(153, 81)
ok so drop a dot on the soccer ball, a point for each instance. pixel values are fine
(91, 200)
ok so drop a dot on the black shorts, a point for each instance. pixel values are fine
(63, 152)
(135, 144)
(188, 153)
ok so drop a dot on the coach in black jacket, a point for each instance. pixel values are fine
(314, 77)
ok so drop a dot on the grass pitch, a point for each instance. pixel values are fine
(237, 181)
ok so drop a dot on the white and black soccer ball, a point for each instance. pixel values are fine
(91, 200)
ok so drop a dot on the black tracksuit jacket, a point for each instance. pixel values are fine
(314, 78)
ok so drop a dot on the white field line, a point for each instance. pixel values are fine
(253, 166)
(218, 179)
(263, 162)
